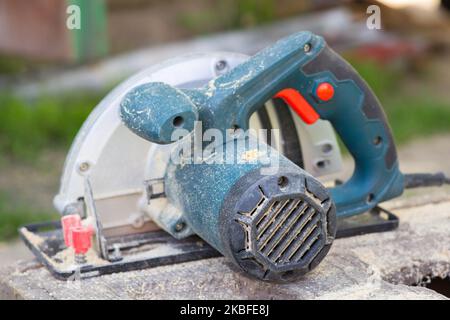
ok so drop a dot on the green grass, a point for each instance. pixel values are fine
(382, 80)
(13, 217)
(10, 65)
(415, 117)
(228, 15)
(28, 127)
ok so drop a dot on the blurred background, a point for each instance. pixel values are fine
(51, 76)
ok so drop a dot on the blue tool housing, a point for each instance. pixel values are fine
(300, 61)
(272, 230)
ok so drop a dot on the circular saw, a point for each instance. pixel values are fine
(224, 154)
(109, 170)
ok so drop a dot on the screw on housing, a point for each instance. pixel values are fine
(221, 65)
(307, 47)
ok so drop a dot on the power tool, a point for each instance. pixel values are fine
(171, 149)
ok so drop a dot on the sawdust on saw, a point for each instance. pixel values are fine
(32, 237)
(250, 155)
(65, 259)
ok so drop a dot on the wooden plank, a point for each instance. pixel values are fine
(364, 267)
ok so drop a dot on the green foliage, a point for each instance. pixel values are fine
(381, 79)
(417, 116)
(27, 127)
(254, 12)
(11, 65)
(12, 218)
(228, 15)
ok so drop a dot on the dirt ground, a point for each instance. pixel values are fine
(423, 155)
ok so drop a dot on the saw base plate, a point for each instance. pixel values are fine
(374, 221)
(156, 248)
(139, 251)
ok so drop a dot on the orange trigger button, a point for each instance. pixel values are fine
(297, 102)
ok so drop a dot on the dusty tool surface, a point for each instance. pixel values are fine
(375, 266)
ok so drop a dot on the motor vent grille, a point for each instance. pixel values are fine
(281, 231)
(287, 230)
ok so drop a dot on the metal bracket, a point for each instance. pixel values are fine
(91, 211)
(154, 189)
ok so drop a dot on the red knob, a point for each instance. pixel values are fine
(299, 104)
(68, 223)
(325, 91)
(81, 237)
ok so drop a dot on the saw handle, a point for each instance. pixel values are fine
(317, 83)
(338, 94)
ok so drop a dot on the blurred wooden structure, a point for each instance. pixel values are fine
(38, 29)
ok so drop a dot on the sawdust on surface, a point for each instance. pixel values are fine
(250, 155)
(153, 250)
(65, 259)
(32, 237)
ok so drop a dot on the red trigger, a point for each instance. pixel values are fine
(302, 107)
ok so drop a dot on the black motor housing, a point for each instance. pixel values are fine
(278, 227)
